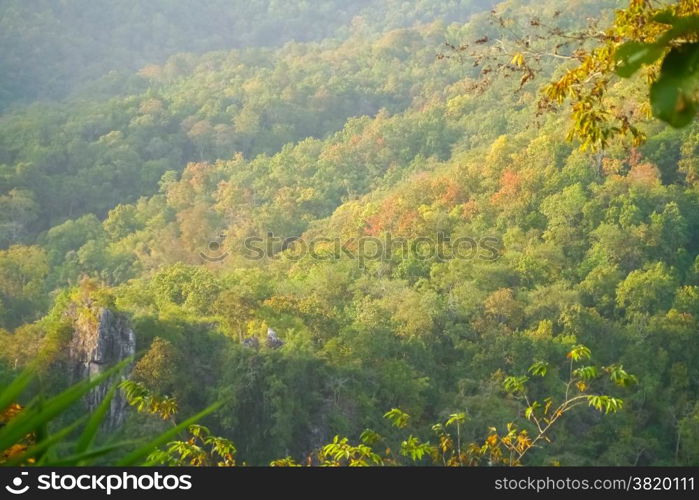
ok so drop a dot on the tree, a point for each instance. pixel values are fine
(509, 448)
(158, 368)
(22, 273)
(201, 449)
(660, 40)
(18, 210)
(191, 287)
(648, 291)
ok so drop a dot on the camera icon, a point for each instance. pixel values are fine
(16, 487)
(215, 251)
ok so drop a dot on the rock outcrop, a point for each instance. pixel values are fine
(252, 343)
(101, 339)
(273, 340)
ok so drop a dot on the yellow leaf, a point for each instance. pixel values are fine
(518, 59)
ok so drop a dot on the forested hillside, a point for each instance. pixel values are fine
(312, 227)
(51, 49)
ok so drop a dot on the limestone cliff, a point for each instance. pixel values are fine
(101, 338)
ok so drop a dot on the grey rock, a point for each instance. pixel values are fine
(252, 343)
(273, 340)
(97, 346)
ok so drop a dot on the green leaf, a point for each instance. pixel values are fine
(529, 412)
(413, 448)
(681, 25)
(35, 416)
(586, 372)
(92, 427)
(398, 418)
(44, 445)
(620, 376)
(456, 418)
(142, 452)
(632, 55)
(370, 437)
(10, 394)
(674, 95)
(515, 385)
(85, 458)
(605, 403)
(664, 17)
(579, 353)
(671, 104)
(540, 368)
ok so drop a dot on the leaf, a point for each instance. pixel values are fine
(529, 412)
(579, 352)
(620, 376)
(10, 394)
(632, 55)
(398, 418)
(83, 458)
(605, 403)
(515, 385)
(586, 372)
(540, 368)
(142, 452)
(681, 25)
(92, 426)
(664, 17)
(547, 407)
(34, 417)
(370, 437)
(674, 95)
(456, 418)
(41, 447)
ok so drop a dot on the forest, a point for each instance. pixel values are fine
(316, 232)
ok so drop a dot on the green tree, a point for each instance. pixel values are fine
(648, 291)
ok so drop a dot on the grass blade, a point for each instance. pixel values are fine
(83, 459)
(31, 419)
(10, 394)
(92, 427)
(142, 452)
(44, 445)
